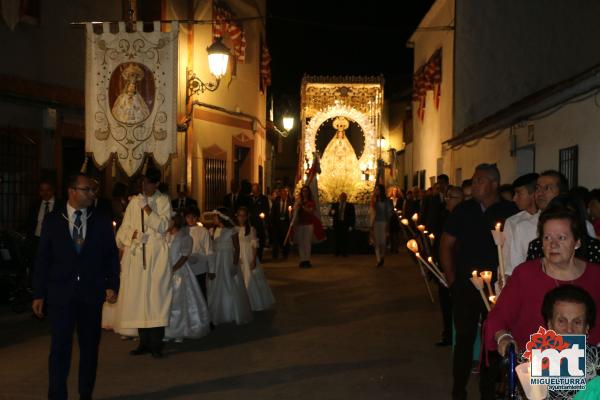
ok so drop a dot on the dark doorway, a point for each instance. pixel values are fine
(242, 164)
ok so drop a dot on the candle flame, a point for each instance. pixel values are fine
(199, 223)
(421, 228)
(415, 217)
(430, 259)
(262, 215)
(114, 223)
(498, 226)
(431, 236)
(492, 299)
(474, 274)
(413, 246)
(404, 221)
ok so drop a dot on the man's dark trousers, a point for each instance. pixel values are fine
(65, 319)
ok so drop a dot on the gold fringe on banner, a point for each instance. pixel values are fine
(114, 167)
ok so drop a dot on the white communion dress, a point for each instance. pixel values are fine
(259, 292)
(227, 296)
(189, 314)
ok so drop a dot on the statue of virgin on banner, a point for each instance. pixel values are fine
(130, 108)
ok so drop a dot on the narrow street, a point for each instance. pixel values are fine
(341, 330)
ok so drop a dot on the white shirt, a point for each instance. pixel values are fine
(201, 260)
(71, 216)
(519, 230)
(42, 214)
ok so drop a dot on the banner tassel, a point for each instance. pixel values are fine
(83, 169)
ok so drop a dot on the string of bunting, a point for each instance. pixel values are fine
(428, 77)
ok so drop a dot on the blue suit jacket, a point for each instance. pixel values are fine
(61, 274)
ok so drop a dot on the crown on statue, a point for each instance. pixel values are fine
(133, 73)
(341, 123)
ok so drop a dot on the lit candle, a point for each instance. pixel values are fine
(478, 283)
(492, 299)
(114, 227)
(199, 223)
(404, 221)
(412, 245)
(487, 278)
(290, 208)
(421, 228)
(415, 217)
(261, 215)
(474, 274)
(499, 241)
(431, 238)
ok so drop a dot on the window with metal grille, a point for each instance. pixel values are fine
(18, 178)
(568, 161)
(215, 183)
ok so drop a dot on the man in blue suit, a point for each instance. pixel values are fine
(77, 268)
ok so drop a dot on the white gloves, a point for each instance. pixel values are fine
(142, 200)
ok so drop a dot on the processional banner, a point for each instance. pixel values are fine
(131, 95)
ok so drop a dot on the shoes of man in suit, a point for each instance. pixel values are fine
(139, 351)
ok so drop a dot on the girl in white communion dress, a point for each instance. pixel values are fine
(259, 292)
(189, 316)
(227, 296)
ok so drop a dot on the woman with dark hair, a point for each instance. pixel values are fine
(306, 225)
(590, 246)
(380, 213)
(516, 315)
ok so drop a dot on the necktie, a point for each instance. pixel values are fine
(78, 232)
(46, 207)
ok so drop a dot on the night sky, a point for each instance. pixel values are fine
(341, 38)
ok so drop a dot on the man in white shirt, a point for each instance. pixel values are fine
(43, 207)
(521, 228)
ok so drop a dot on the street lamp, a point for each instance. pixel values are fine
(288, 123)
(218, 58)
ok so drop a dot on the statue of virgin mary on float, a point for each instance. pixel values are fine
(339, 164)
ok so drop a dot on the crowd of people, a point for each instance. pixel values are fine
(167, 272)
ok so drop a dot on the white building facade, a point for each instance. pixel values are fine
(507, 96)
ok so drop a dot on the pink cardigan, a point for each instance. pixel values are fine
(518, 309)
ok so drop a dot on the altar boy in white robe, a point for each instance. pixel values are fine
(147, 301)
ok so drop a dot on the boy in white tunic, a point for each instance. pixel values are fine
(202, 251)
(147, 301)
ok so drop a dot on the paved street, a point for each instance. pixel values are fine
(342, 330)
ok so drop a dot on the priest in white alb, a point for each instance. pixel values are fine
(147, 295)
